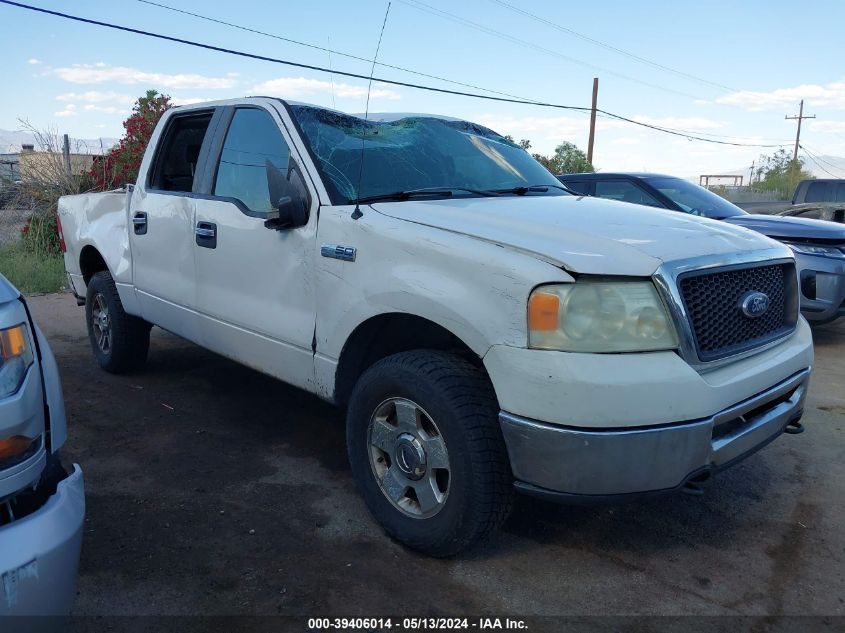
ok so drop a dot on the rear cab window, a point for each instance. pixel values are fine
(175, 165)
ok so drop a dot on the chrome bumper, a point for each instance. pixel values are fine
(566, 461)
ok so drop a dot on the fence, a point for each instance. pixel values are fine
(12, 222)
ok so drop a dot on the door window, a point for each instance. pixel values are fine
(254, 150)
(175, 164)
(624, 191)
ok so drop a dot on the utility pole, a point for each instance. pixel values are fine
(798, 118)
(593, 121)
(751, 176)
(66, 155)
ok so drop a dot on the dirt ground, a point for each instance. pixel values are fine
(212, 489)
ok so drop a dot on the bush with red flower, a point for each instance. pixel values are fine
(120, 166)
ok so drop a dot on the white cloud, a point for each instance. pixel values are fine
(535, 128)
(69, 110)
(91, 107)
(33, 62)
(102, 73)
(294, 87)
(830, 94)
(837, 127)
(93, 96)
(628, 140)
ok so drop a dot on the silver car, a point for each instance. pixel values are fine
(42, 506)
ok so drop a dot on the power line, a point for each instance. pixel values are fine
(680, 133)
(427, 8)
(324, 49)
(818, 160)
(610, 47)
(394, 82)
(818, 164)
(275, 60)
(781, 141)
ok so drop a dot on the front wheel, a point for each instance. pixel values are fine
(120, 341)
(427, 451)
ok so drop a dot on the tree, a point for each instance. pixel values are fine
(524, 143)
(780, 173)
(567, 159)
(120, 166)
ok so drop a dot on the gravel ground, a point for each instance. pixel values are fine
(215, 490)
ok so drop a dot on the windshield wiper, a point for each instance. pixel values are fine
(419, 193)
(524, 189)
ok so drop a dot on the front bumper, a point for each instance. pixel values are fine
(39, 554)
(822, 285)
(557, 461)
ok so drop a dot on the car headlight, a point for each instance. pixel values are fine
(815, 249)
(599, 316)
(15, 358)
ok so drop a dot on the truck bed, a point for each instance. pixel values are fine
(100, 218)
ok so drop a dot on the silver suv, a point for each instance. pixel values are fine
(42, 506)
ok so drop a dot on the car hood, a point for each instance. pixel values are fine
(7, 291)
(585, 235)
(784, 227)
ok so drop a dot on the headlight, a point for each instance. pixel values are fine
(814, 249)
(599, 316)
(15, 358)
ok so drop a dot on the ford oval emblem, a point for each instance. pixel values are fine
(754, 304)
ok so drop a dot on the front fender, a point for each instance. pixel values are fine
(475, 289)
(52, 393)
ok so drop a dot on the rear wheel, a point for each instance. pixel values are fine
(427, 451)
(120, 342)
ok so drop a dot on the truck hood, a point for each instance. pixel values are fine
(585, 235)
(784, 227)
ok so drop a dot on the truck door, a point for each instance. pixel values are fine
(255, 294)
(161, 216)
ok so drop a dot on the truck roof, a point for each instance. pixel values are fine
(385, 117)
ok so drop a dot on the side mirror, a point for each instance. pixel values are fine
(290, 198)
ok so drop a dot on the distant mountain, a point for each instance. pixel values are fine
(11, 141)
(825, 166)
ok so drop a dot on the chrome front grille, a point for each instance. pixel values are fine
(713, 302)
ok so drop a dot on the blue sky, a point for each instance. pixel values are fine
(764, 57)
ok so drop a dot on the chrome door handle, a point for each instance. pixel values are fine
(139, 223)
(206, 234)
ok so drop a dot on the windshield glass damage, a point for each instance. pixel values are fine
(414, 153)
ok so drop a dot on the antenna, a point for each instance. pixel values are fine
(331, 74)
(357, 212)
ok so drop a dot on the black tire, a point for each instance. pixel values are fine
(129, 336)
(459, 398)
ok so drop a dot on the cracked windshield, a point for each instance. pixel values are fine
(447, 156)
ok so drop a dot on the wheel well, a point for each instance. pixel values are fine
(388, 334)
(91, 262)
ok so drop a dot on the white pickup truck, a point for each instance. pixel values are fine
(485, 330)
